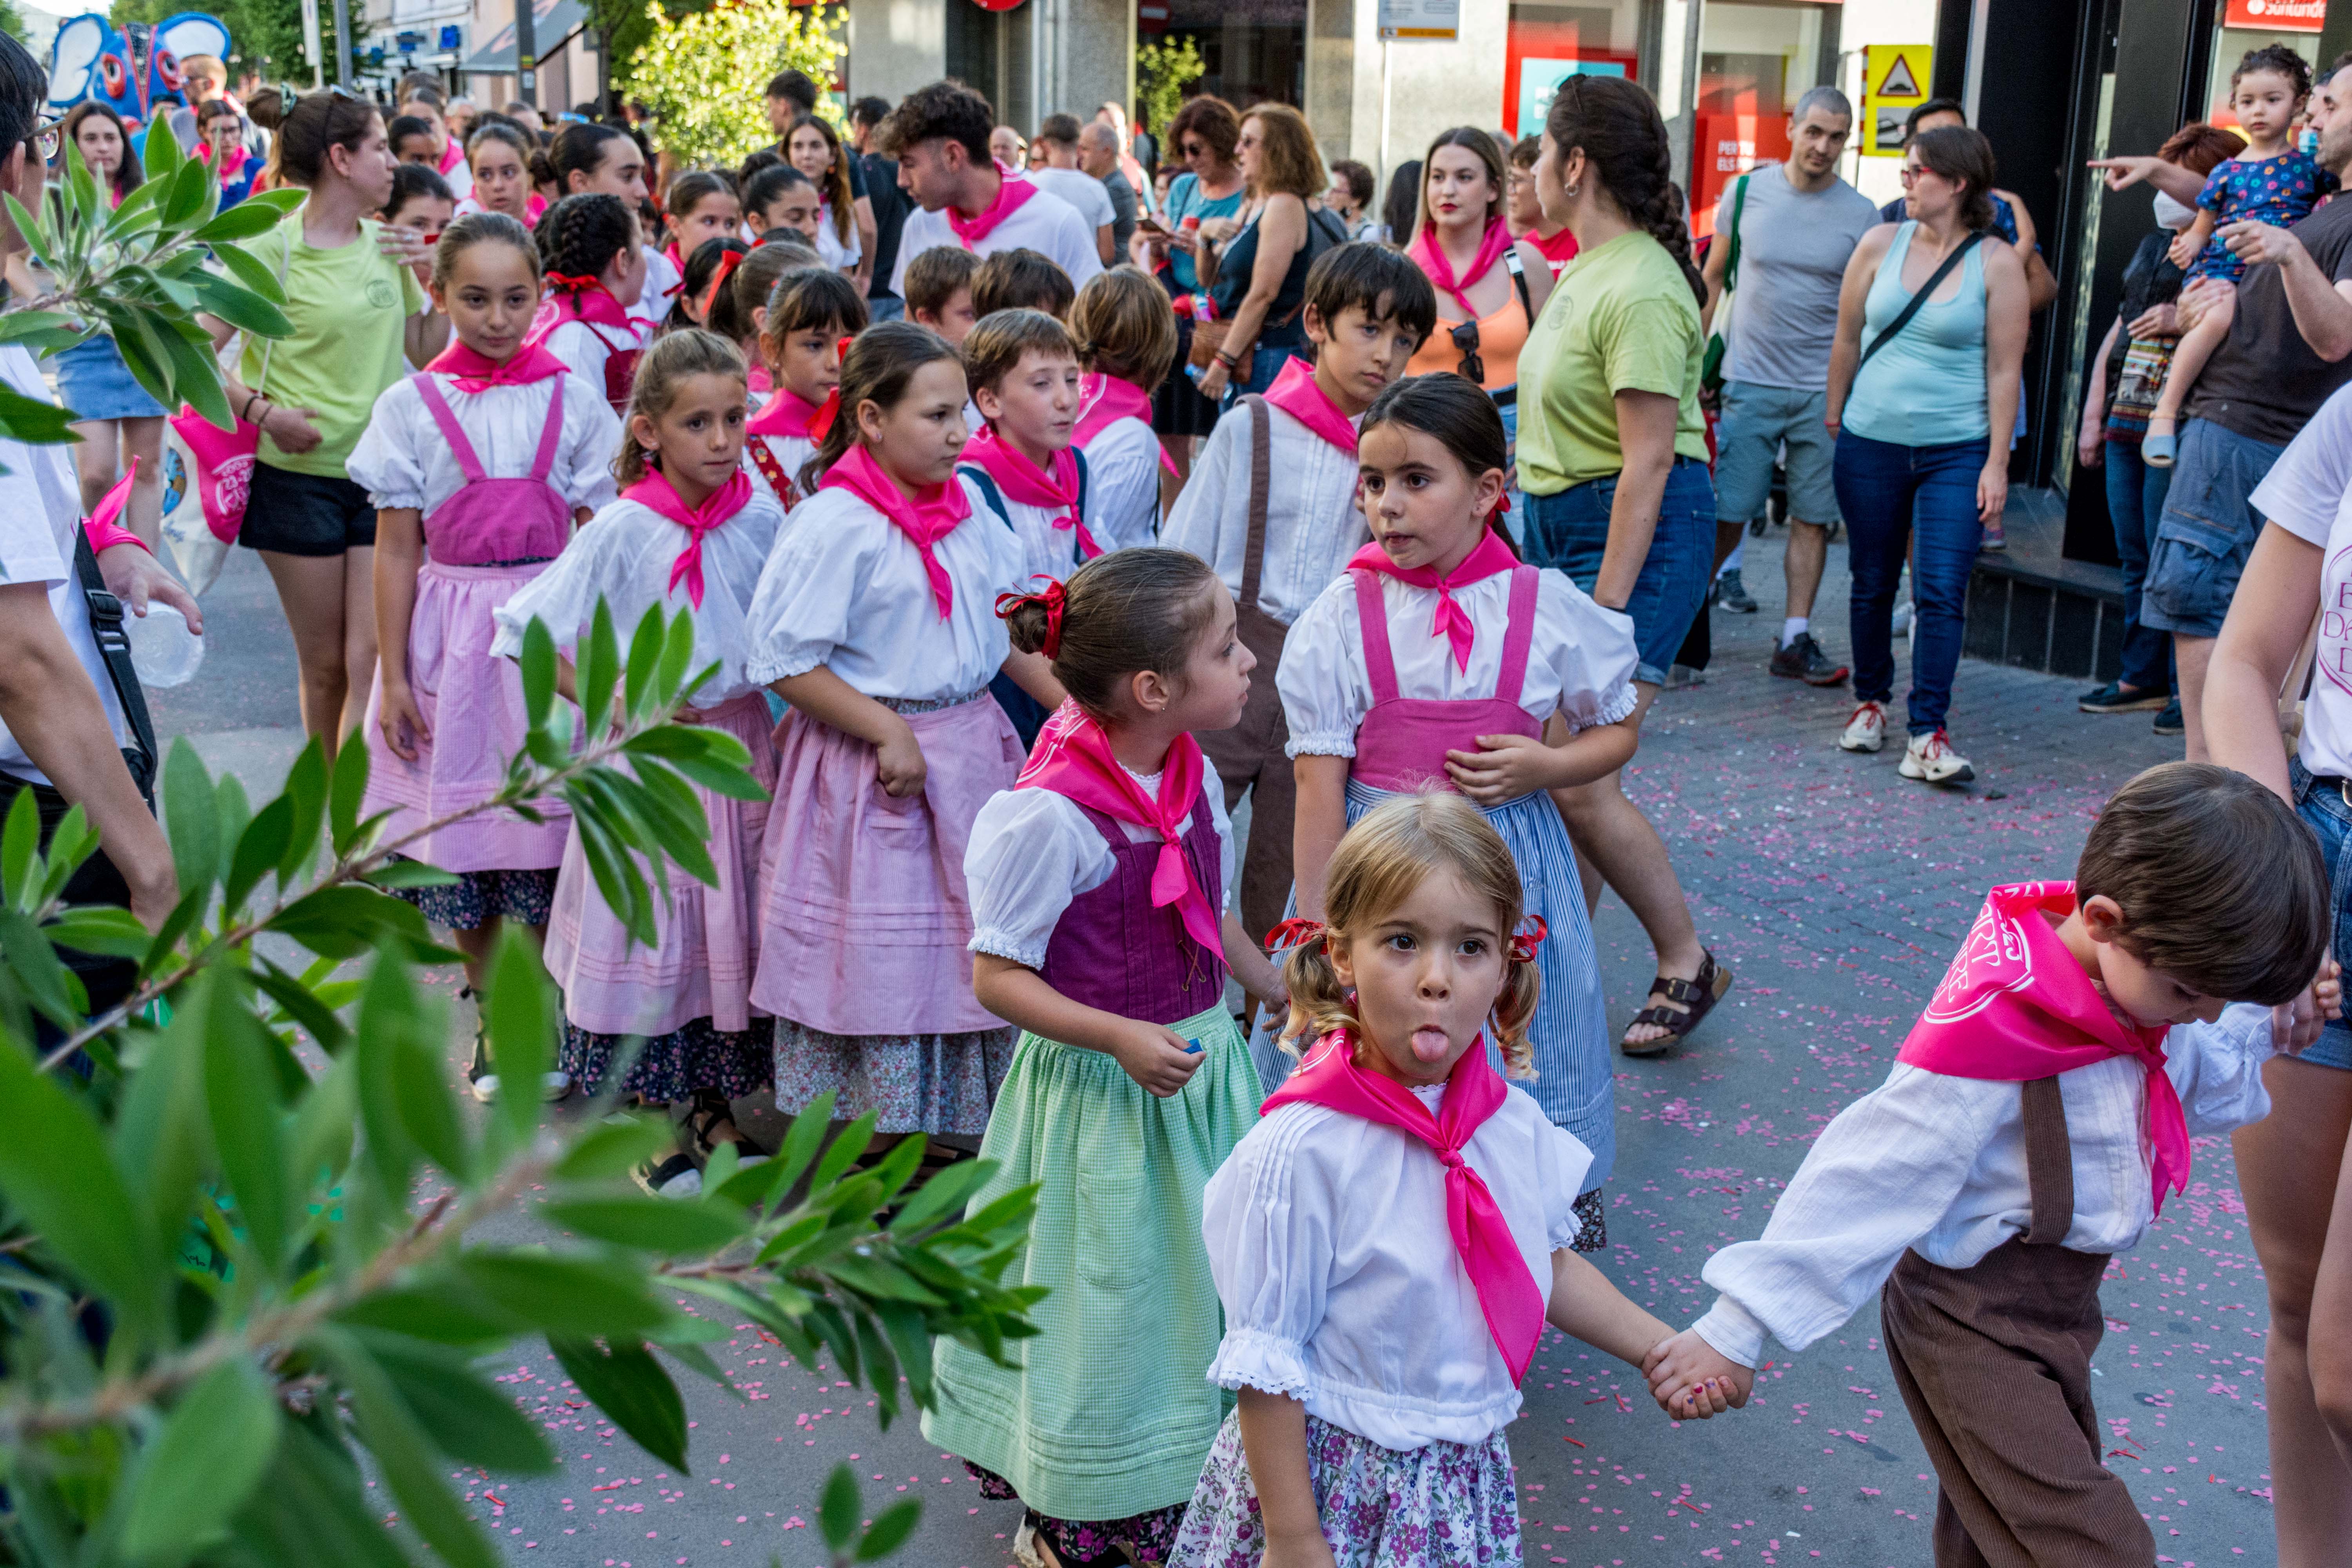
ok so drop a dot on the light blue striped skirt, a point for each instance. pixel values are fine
(1575, 1080)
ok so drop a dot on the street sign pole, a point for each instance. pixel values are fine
(342, 42)
(526, 52)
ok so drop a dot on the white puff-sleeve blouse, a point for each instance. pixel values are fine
(1328, 1240)
(1123, 485)
(845, 588)
(1033, 850)
(625, 553)
(403, 460)
(1581, 659)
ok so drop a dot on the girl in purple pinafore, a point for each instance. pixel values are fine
(1101, 927)
(484, 460)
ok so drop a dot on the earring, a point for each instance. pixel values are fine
(1568, 191)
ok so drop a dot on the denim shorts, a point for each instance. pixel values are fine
(2206, 532)
(1755, 421)
(2320, 804)
(1570, 531)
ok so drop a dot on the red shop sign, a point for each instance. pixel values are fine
(2277, 16)
(1009, 5)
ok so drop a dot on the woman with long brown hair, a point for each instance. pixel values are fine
(814, 148)
(1258, 277)
(119, 420)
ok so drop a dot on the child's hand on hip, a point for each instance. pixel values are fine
(900, 761)
(1692, 1380)
(1157, 1058)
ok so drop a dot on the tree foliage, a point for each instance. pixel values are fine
(239, 1213)
(1162, 71)
(704, 75)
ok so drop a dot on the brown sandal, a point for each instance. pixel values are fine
(1697, 998)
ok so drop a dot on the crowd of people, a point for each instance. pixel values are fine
(1040, 500)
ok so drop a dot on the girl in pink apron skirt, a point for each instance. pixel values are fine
(1438, 659)
(812, 314)
(1099, 894)
(689, 532)
(875, 619)
(596, 270)
(482, 462)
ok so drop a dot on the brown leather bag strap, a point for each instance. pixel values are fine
(1261, 466)
(2049, 1163)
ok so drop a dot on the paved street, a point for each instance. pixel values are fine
(1837, 891)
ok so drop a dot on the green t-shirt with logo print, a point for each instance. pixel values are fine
(349, 307)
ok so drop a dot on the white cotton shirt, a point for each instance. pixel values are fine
(1045, 549)
(1312, 522)
(654, 300)
(2308, 492)
(1581, 658)
(1033, 851)
(1328, 1239)
(790, 452)
(625, 553)
(1123, 485)
(1085, 193)
(1937, 1165)
(832, 250)
(1045, 223)
(40, 509)
(847, 589)
(403, 460)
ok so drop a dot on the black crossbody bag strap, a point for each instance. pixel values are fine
(115, 646)
(1911, 309)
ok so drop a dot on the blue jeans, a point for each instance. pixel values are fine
(2136, 505)
(893, 308)
(2208, 529)
(1887, 490)
(1569, 530)
(1275, 347)
(2321, 805)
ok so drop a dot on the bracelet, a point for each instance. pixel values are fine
(1230, 361)
(246, 413)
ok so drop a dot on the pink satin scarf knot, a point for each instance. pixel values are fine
(1296, 393)
(1451, 621)
(1430, 257)
(1012, 194)
(655, 492)
(473, 372)
(1024, 482)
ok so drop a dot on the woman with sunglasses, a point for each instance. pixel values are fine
(1204, 135)
(1489, 287)
(1258, 277)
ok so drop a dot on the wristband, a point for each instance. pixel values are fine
(246, 413)
(1228, 361)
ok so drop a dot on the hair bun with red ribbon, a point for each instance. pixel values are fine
(1052, 597)
(1295, 931)
(1528, 939)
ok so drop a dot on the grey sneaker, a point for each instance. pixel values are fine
(1732, 594)
(1804, 660)
(2113, 698)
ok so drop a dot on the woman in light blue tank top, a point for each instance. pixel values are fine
(1913, 401)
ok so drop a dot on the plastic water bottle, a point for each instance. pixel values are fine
(163, 651)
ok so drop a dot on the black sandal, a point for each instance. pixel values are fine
(664, 1178)
(709, 1109)
(1697, 998)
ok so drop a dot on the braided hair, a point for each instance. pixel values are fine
(1614, 122)
(580, 235)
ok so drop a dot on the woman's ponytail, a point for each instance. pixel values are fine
(1616, 124)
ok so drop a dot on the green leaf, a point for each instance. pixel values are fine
(563, 1295)
(249, 219)
(348, 791)
(260, 849)
(910, 1337)
(20, 846)
(410, 874)
(466, 1418)
(445, 1310)
(837, 1511)
(99, 928)
(73, 841)
(845, 1151)
(519, 1015)
(192, 188)
(160, 155)
(676, 659)
(241, 1097)
(250, 271)
(538, 672)
(403, 1458)
(34, 421)
(306, 786)
(241, 308)
(37, 231)
(630, 1388)
(192, 817)
(301, 1004)
(890, 1530)
(200, 1467)
(596, 665)
(644, 663)
(387, 1003)
(56, 1174)
(195, 377)
(614, 1148)
(946, 1189)
(347, 919)
(651, 1225)
(427, 1106)
(309, 1509)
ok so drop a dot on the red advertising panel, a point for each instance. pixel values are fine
(2277, 16)
(1723, 148)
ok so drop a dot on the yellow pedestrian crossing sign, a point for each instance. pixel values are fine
(1894, 79)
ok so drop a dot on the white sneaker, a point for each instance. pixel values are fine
(1930, 759)
(1866, 730)
(1904, 612)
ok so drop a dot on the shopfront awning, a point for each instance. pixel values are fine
(553, 22)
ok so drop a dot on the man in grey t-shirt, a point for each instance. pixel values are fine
(1796, 225)
(1098, 156)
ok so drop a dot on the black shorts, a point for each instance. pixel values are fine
(306, 514)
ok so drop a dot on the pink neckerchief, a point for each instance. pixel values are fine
(1073, 757)
(1104, 400)
(2015, 1006)
(1025, 483)
(787, 414)
(1507, 1293)
(1430, 256)
(472, 370)
(1010, 192)
(571, 298)
(230, 166)
(1491, 556)
(451, 154)
(104, 530)
(655, 493)
(1295, 392)
(926, 519)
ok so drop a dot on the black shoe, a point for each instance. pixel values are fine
(1804, 660)
(2169, 721)
(2113, 698)
(1732, 594)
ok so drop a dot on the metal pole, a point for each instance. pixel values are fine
(343, 42)
(527, 52)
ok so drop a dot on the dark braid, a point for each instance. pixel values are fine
(1614, 122)
(580, 235)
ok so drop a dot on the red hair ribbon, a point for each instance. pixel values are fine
(1502, 506)
(1295, 933)
(573, 282)
(830, 409)
(728, 262)
(1526, 942)
(1052, 597)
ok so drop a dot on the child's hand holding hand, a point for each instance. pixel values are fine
(1692, 1380)
(900, 761)
(2295, 1025)
(2183, 250)
(1157, 1058)
(1503, 768)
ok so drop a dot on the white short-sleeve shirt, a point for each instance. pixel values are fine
(1312, 522)
(2308, 492)
(1123, 485)
(1045, 223)
(1081, 190)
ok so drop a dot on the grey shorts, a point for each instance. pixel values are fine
(1754, 421)
(2206, 532)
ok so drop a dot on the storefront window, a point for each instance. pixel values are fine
(1546, 43)
(1255, 54)
(2253, 25)
(1755, 61)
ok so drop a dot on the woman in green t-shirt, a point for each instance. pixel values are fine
(360, 322)
(1613, 456)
